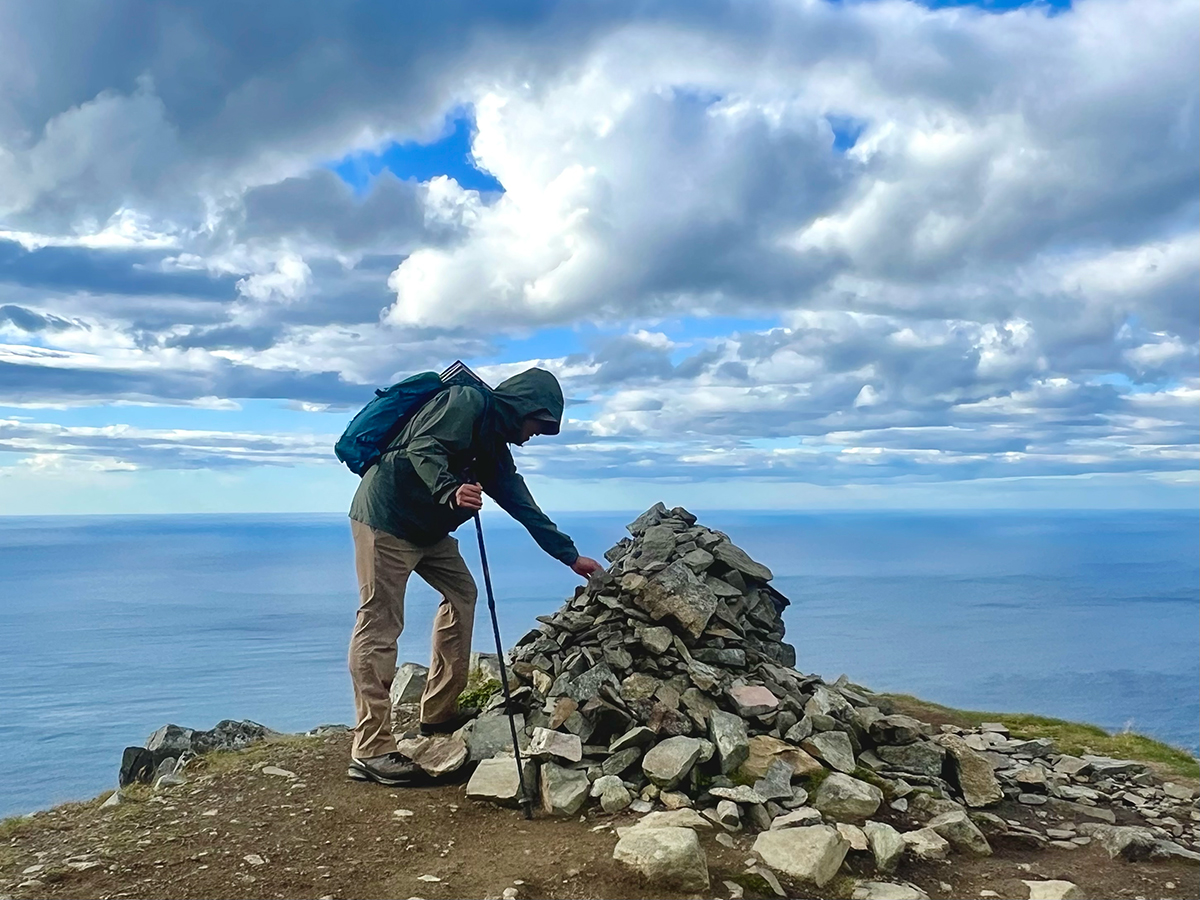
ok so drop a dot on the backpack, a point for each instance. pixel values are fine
(379, 422)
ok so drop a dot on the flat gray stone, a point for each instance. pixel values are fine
(895, 730)
(813, 854)
(728, 734)
(886, 845)
(677, 593)
(797, 818)
(1053, 890)
(777, 783)
(436, 755)
(655, 638)
(656, 546)
(736, 558)
(887, 890)
(563, 791)
(921, 758)
(961, 832)
(547, 744)
(587, 685)
(496, 781)
(697, 560)
(738, 794)
(612, 793)
(845, 799)
(669, 857)
(676, 818)
(833, 748)
(753, 700)
(925, 843)
(489, 734)
(621, 760)
(668, 762)
(641, 736)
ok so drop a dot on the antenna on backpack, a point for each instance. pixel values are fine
(460, 373)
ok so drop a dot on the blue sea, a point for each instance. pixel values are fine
(113, 626)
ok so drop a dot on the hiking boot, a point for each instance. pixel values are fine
(390, 769)
(452, 724)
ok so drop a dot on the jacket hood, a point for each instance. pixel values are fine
(534, 392)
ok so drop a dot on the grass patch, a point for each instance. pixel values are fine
(1075, 738)
(478, 693)
(219, 761)
(11, 827)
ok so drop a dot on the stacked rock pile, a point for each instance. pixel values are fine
(665, 687)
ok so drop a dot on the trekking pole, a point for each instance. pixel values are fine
(525, 800)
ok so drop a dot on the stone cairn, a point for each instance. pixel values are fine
(665, 687)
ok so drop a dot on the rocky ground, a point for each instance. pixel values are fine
(671, 748)
(281, 820)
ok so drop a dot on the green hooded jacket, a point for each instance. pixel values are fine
(410, 492)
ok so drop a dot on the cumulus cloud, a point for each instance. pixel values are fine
(967, 241)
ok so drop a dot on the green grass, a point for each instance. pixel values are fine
(1075, 738)
(478, 693)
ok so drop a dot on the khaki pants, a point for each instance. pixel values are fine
(383, 563)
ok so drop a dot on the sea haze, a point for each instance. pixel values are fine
(113, 626)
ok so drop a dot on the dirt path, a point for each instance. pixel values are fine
(236, 831)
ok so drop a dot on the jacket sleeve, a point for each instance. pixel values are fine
(509, 490)
(445, 426)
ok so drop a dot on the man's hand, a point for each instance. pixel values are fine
(586, 566)
(469, 497)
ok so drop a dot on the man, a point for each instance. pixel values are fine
(431, 480)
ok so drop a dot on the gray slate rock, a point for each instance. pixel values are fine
(845, 799)
(496, 781)
(813, 854)
(961, 832)
(777, 783)
(921, 758)
(655, 638)
(676, 593)
(489, 734)
(973, 772)
(833, 748)
(639, 736)
(895, 730)
(886, 845)
(887, 890)
(564, 791)
(408, 684)
(666, 856)
(736, 558)
(668, 763)
(728, 733)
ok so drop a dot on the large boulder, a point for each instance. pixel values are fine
(845, 799)
(974, 774)
(813, 854)
(668, 763)
(925, 843)
(665, 856)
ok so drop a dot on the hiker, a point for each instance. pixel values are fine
(430, 481)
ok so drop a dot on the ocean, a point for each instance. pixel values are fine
(113, 626)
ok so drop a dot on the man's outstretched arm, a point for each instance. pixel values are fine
(509, 490)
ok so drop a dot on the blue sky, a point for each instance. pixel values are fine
(787, 261)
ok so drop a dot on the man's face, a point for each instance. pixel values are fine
(529, 427)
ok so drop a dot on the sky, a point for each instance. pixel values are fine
(783, 254)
